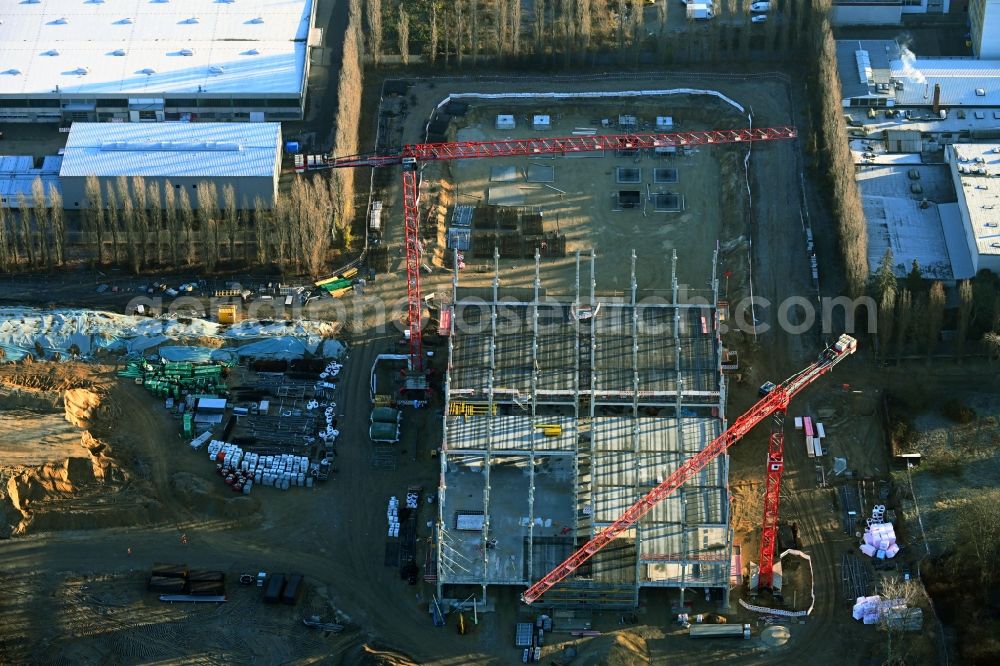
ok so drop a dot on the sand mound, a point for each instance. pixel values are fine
(55, 495)
(369, 655)
(81, 406)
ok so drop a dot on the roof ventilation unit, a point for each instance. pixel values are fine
(118, 52)
(13, 71)
(81, 71)
(251, 52)
(980, 92)
(148, 71)
(192, 20)
(186, 52)
(62, 20)
(51, 52)
(216, 69)
(124, 21)
(256, 19)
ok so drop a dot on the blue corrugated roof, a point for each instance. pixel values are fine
(960, 80)
(172, 149)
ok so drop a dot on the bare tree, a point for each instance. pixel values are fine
(208, 217)
(904, 312)
(94, 215)
(964, 316)
(403, 32)
(57, 222)
(935, 316)
(128, 222)
(186, 215)
(432, 40)
(113, 217)
(373, 13)
(886, 321)
(172, 222)
(992, 340)
(155, 201)
(260, 229)
(140, 222)
(24, 213)
(230, 217)
(40, 214)
(6, 263)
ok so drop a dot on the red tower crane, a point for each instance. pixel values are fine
(412, 155)
(772, 495)
(776, 400)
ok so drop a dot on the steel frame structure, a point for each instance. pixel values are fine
(412, 155)
(776, 400)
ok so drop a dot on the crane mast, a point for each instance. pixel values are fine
(776, 400)
(412, 155)
(772, 497)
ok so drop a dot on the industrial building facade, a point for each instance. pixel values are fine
(984, 24)
(560, 414)
(886, 12)
(65, 61)
(244, 155)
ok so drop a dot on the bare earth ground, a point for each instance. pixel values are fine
(77, 595)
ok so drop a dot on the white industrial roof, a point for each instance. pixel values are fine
(172, 149)
(146, 47)
(960, 80)
(978, 166)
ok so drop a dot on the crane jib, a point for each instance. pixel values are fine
(776, 400)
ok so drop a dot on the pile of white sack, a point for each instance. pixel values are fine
(870, 609)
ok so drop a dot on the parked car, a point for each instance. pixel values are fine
(758, 18)
(760, 7)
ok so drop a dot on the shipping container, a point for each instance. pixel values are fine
(293, 590)
(820, 431)
(807, 425)
(798, 423)
(206, 588)
(817, 447)
(170, 570)
(165, 584)
(385, 415)
(203, 576)
(273, 588)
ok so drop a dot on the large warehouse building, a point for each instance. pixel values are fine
(974, 170)
(559, 416)
(244, 155)
(142, 60)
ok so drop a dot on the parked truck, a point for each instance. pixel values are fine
(720, 631)
(699, 11)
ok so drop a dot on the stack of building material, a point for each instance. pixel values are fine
(866, 609)
(872, 610)
(880, 541)
(241, 470)
(392, 513)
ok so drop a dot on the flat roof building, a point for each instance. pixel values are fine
(135, 60)
(244, 155)
(975, 169)
(17, 178)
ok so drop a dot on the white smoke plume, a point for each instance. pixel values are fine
(908, 58)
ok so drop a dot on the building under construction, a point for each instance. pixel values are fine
(560, 413)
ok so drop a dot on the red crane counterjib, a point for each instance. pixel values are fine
(461, 150)
(776, 400)
(464, 150)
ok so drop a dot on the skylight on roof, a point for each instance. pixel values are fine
(193, 19)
